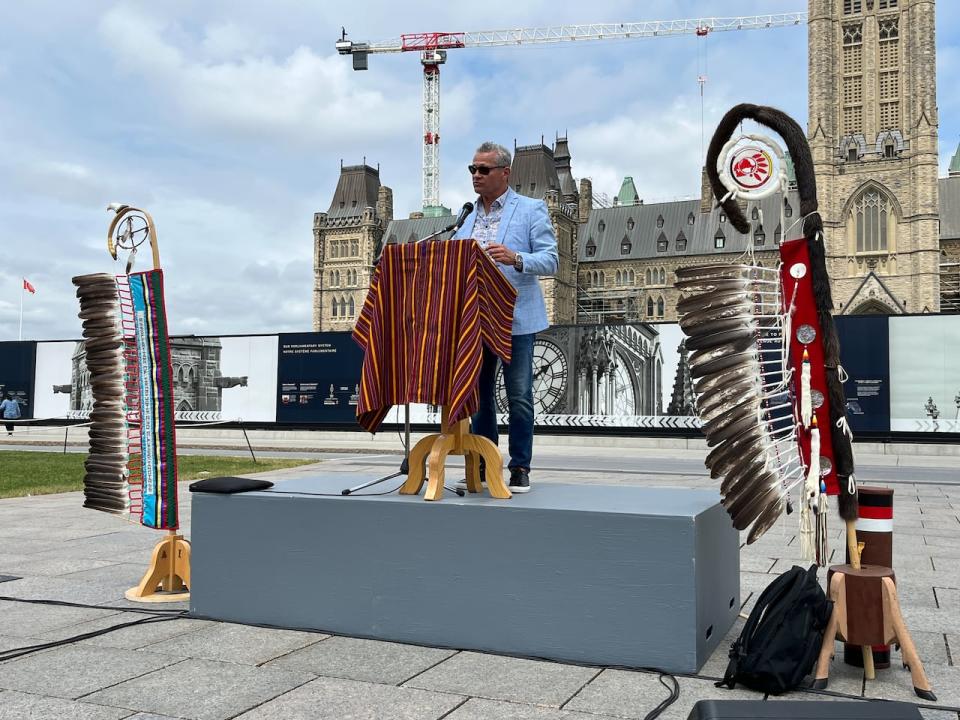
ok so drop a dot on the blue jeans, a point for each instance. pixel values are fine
(518, 378)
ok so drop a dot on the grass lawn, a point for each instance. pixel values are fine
(41, 473)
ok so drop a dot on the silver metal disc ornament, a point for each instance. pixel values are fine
(798, 270)
(816, 399)
(806, 334)
(825, 466)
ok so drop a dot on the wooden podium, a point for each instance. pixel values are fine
(455, 439)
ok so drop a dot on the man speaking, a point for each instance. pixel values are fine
(516, 232)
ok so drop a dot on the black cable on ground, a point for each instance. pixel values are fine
(14, 653)
(163, 615)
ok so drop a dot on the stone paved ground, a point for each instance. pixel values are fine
(211, 671)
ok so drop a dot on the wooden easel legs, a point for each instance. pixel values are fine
(168, 577)
(893, 618)
(455, 439)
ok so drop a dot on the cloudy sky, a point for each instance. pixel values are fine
(228, 121)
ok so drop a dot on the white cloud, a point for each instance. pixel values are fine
(304, 98)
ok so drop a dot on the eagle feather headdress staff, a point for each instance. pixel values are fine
(765, 354)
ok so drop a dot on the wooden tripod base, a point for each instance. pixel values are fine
(455, 439)
(866, 612)
(168, 577)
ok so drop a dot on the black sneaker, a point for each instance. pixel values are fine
(519, 480)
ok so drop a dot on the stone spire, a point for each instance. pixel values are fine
(955, 163)
(681, 401)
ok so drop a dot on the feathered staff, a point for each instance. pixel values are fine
(812, 228)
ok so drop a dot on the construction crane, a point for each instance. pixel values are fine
(433, 47)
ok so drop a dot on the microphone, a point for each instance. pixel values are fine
(462, 217)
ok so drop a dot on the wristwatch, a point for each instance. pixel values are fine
(518, 263)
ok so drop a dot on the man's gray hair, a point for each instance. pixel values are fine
(503, 155)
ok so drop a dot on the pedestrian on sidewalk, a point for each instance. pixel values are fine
(10, 409)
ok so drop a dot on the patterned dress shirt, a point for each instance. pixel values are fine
(488, 224)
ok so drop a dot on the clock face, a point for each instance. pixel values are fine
(624, 399)
(549, 379)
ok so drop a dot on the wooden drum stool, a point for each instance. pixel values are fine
(866, 612)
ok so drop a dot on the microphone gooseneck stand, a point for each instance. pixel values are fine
(405, 463)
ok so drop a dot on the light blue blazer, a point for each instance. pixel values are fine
(526, 229)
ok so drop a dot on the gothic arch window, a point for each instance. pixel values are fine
(873, 221)
(659, 221)
(334, 306)
(681, 241)
(337, 274)
(343, 307)
(630, 224)
(719, 239)
(759, 236)
(354, 248)
(787, 208)
(331, 277)
(889, 148)
(660, 307)
(649, 307)
(334, 248)
(603, 279)
(691, 218)
(662, 243)
(619, 278)
(663, 276)
(633, 278)
(625, 246)
(649, 279)
(591, 248)
(352, 308)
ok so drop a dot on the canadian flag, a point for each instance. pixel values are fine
(28, 287)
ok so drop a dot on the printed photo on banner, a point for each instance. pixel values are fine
(925, 374)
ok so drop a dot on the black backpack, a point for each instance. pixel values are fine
(782, 637)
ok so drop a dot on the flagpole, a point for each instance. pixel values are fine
(20, 331)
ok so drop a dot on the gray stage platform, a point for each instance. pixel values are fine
(610, 575)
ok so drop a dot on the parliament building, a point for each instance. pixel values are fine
(892, 224)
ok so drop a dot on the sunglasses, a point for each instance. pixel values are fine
(482, 169)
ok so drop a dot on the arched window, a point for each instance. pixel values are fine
(619, 278)
(633, 278)
(649, 307)
(337, 274)
(663, 277)
(660, 307)
(334, 248)
(334, 307)
(872, 214)
(759, 236)
(343, 307)
(649, 279)
(354, 248)
(603, 280)
(591, 248)
(331, 277)
(352, 308)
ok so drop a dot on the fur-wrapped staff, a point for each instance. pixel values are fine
(813, 253)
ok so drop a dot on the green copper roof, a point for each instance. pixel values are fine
(955, 163)
(436, 211)
(628, 194)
